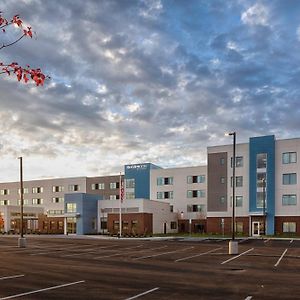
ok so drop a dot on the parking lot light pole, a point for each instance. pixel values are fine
(233, 244)
(22, 240)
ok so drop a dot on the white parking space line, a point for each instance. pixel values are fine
(200, 254)
(266, 241)
(142, 294)
(235, 257)
(69, 249)
(164, 253)
(281, 257)
(42, 290)
(122, 253)
(11, 277)
(291, 241)
(248, 298)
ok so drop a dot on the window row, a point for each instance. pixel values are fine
(238, 200)
(196, 194)
(190, 179)
(165, 195)
(195, 208)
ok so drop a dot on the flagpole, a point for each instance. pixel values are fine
(120, 208)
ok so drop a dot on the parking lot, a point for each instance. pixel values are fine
(95, 268)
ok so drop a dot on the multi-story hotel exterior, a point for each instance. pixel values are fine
(266, 202)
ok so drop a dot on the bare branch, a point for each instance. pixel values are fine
(10, 44)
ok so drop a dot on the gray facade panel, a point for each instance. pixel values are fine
(217, 182)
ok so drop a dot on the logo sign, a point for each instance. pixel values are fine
(137, 167)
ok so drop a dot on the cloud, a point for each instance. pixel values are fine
(258, 14)
(154, 81)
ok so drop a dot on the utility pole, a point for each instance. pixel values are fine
(22, 240)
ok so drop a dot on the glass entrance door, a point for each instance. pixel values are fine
(71, 225)
(256, 229)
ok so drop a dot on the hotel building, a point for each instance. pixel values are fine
(188, 199)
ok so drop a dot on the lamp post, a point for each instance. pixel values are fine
(22, 240)
(264, 204)
(233, 245)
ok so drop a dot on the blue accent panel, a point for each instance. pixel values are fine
(141, 174)
(264, 144)
(86, 209)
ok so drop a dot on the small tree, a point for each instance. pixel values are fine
(22, 73)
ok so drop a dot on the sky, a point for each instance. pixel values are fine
(136, 81)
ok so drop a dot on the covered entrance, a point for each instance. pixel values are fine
(258, 225)
(71, 225)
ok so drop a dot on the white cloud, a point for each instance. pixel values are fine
(257, 14)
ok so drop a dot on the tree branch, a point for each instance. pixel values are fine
(7, 45)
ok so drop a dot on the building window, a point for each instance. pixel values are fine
(289, 157)
(238, 201)
(130, 195)
(196, 179)
(55, 212)
(289, 227)
(171, 208)
(290, 178)
(37, 201)
(173, 225)
(4, 192)
(125, 225)
(74, 187)
(4, 202)
(97, 186)
(57, 199)
(239, 227)
(165, 195)
(116, 225)
(134, 224)
(57, 188)
(261, 199)
(196, 194)
(222, 161)
(114, 185)
(25, 191)
(25, 202)
(164, 180)
(71, 207)
(238, 161)
(261, 161)
(238, 181)
(114, 197)
(37, 190)
(222, 199)
(195, 207)
(130, 183)
(289, 199)
(222, 180)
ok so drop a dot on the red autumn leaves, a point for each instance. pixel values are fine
(22, 74)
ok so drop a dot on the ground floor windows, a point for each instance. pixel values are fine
(289, 227)
(173, 225)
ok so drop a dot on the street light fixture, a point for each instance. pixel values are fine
(233, 245)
